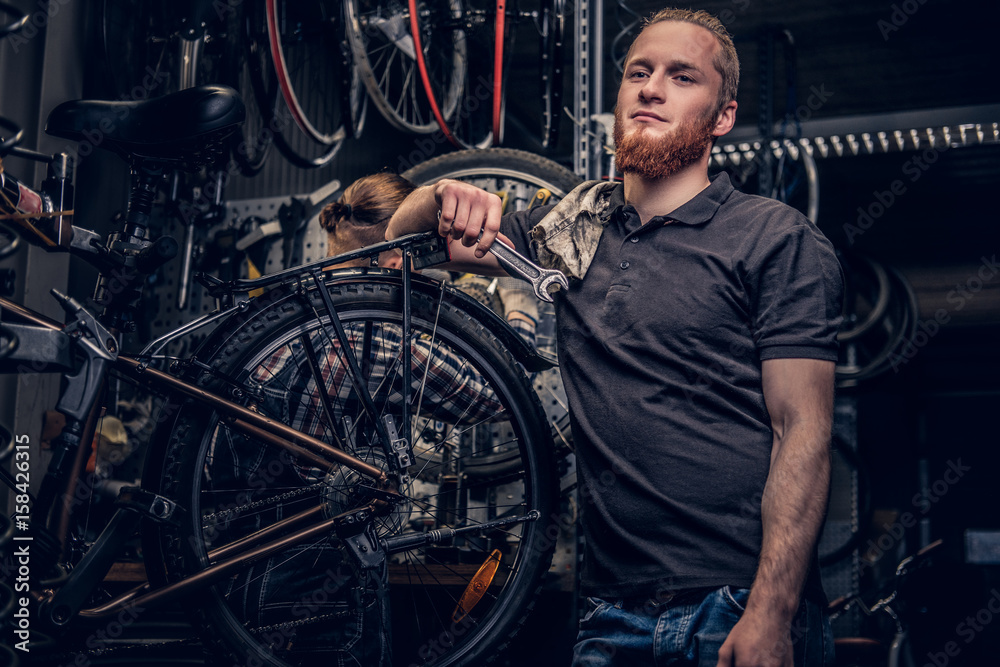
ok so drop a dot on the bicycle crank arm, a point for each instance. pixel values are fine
(395, 545)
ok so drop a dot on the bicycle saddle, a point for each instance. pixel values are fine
(185, 127)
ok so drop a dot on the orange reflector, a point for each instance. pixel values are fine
(476, 589)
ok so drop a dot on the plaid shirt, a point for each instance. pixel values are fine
(449, 390)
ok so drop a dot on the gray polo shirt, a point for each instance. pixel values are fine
(660, 348)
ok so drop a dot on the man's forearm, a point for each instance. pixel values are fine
(463, 212)
(417, 213)
(792, 510)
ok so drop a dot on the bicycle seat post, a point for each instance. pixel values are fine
(120, 290)
(58, 186)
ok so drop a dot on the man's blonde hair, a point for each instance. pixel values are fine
(727, 63)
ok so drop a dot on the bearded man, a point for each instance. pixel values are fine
(697, 344)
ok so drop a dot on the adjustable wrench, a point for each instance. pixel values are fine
(543, 281)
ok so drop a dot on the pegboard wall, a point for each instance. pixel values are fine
(214, 253)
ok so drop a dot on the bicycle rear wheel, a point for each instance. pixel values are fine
(311, 604)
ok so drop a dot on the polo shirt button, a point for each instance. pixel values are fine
(634, 239)
(624, 265)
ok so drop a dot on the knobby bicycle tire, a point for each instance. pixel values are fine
(231, 485)
(497, 167)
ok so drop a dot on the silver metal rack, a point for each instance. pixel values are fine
(933, 130)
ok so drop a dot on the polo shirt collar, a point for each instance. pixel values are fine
(699, 210)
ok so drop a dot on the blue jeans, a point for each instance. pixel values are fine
(619, 633)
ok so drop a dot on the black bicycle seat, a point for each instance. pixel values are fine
(182, 127)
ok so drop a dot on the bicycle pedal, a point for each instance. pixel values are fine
(365, 547)
(150, 505)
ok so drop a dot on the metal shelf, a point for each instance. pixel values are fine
(856, 136)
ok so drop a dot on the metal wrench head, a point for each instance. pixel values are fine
(548, 284)
(543, 281)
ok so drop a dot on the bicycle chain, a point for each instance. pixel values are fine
(299, 623)
(236, 511)
(102, 652)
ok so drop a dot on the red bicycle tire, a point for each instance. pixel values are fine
(501, 9)
(287, 94)
(425, 77)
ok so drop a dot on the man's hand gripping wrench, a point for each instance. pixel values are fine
(543, 281)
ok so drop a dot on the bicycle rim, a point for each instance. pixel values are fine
(475, 124)
(306, 56)
(386, 59)
(293, 608)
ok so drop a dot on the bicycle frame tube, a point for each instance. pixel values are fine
(282, 435)
(217, 570)
(142, 593)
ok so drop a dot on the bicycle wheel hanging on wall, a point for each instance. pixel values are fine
(254, 78)
(154, 48)
(292, 607)
(324, 102)
(488, 28)
(385, 55)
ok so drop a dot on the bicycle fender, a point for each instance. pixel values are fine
(531, 359)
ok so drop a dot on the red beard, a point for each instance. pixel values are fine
(658, 158)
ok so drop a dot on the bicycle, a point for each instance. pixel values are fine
(451, 505)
